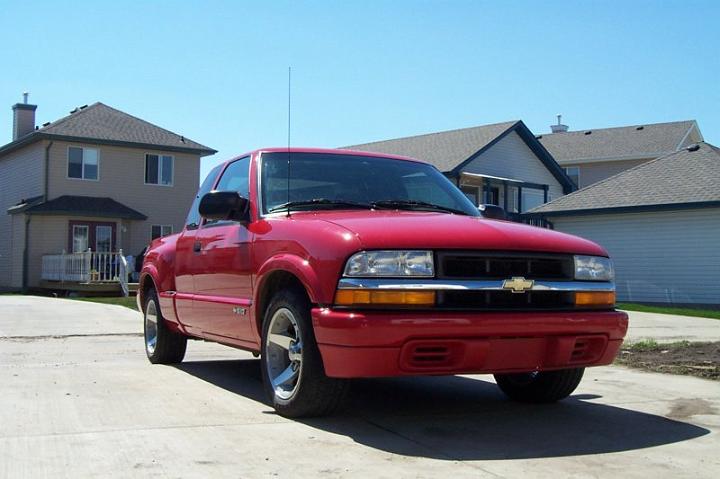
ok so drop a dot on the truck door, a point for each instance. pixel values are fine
(187, 258)
(222, 277)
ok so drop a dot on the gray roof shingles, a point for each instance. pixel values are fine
(637, 141)
(680, 178)
(99, 122)
(445, 149)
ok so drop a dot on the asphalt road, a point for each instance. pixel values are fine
(79, 399)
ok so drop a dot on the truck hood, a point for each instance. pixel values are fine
(388, 229)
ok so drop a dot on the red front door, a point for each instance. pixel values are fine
(99, 236)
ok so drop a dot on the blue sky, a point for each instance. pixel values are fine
(368, 70)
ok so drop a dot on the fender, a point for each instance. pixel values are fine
(158, 267)
(296, 265)
(166, 298)
(147, 270)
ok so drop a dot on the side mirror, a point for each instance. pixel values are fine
(223, 205)
(492, 212)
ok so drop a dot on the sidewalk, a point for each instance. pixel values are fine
(665, 328)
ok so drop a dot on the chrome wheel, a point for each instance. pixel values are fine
(151, 327)
(283, 358)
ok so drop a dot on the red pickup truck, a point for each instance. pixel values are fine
(335, 264)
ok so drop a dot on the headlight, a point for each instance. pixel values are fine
(390, 263)
(594, 268)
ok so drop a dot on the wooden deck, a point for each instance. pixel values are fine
(103, 272)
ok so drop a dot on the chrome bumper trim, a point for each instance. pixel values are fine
(470, 285)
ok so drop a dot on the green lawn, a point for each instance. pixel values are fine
(700, 313)
(128, 302)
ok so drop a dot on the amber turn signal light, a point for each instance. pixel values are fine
(364, 297)
(595, 298)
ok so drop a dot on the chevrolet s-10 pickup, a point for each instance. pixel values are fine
(336, 264)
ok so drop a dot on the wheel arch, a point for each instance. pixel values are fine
(146, 283)
(271, 282)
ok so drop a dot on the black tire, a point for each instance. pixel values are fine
(540, 387)
(308, 392)
(168, 346)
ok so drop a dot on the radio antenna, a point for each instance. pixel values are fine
(288, 143)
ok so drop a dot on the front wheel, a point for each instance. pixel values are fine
(162, 345)
(540, 386)
(292, 369)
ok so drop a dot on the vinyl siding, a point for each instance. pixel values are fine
(122, 178)
(17, 246)
(661, 257)
(21, 176)
(512, 158)
(593, 172)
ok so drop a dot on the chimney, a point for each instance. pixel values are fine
(559, 128)
(23, 118)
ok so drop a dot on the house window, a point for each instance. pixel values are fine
(159, 231)
(82, 163)
(573, 173)
(103, 238)
(193, 218)
(80, 234)
(159, 170)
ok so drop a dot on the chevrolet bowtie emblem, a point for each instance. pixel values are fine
(518, 284)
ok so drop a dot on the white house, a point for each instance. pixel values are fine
(501, 164)
(660, 222)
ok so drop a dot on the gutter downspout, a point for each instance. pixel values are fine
(47, 167)
(25, 255)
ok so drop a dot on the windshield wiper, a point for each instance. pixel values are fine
(321, 202)
(414, 205)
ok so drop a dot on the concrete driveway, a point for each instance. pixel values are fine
(79, 399)
(665, 328)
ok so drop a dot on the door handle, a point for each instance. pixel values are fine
(197, 247)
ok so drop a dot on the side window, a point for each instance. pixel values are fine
(236, 177)
(193, 218)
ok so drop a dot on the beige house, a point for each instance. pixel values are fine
(589, 156)
(79, 191)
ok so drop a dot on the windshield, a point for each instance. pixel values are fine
(334, 181)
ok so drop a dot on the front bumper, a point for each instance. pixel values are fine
(396, 343)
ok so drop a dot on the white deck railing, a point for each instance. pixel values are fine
(87, 267)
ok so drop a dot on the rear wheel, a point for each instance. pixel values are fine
(292, 369)
(540, 386)
(162, 345)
